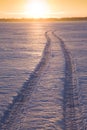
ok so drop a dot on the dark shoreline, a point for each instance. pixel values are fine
(42, 19)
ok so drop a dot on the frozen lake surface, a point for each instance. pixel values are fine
(43, 76)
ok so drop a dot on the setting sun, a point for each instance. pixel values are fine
(42, 8)
(37, 9)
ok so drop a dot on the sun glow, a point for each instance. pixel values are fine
(37, 9)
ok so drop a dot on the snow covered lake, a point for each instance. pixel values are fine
(54, 57)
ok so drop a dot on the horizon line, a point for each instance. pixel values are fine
(42, 19)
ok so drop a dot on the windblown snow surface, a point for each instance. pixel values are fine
(43, 76)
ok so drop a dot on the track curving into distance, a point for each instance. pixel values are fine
(36, 107)
(27, 89)
(72, 110)
(39, 104)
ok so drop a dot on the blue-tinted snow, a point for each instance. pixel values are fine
(21, 46)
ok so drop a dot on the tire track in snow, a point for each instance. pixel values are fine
(72, 109)
(27, 89)
(39, 105)
(72, 112)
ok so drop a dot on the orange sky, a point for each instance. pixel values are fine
(56, 8)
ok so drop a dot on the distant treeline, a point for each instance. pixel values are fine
(42, 19)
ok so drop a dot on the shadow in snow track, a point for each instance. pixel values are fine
(72, 110)
(27, 89)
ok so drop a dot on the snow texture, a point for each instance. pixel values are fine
(43, 76)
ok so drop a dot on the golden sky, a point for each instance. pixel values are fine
(51, 8)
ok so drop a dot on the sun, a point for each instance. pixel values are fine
(37, 9)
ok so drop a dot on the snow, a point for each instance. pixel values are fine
(21, 48)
